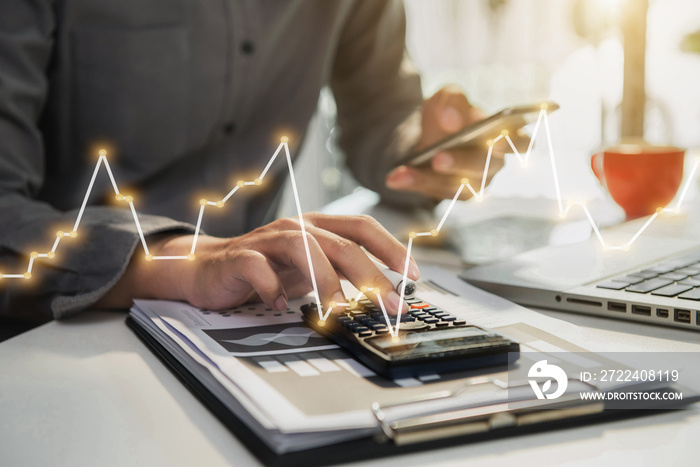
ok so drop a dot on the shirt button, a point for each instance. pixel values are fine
(247, 47)
(229, 128)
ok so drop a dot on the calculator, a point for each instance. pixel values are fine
(430, 340)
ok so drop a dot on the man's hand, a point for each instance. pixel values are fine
(445, 113)
(268, 264)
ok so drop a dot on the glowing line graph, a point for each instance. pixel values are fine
(283, 146)
(563, 211)
(129, 200)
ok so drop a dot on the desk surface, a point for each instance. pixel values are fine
(85, 391)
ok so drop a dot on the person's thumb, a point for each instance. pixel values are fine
(450, 119)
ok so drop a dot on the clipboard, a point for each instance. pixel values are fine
(415, 433)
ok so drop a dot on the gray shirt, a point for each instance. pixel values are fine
(187, 96)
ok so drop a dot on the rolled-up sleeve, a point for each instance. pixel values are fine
(378, 95)
(86, 267)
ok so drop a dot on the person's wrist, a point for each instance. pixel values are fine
(165, 279)
(145, 279)
(181, 279)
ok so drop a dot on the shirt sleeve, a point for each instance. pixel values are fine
(86, 267)
(378, 96)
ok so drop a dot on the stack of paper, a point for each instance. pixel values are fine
(296, 390)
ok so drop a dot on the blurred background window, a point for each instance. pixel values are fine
(506, 52)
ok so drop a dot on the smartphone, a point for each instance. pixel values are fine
(511, 119)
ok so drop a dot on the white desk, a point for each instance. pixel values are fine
(85, 391)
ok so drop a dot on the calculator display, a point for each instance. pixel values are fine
(432, 342)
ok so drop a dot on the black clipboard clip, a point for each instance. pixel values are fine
(440, 416)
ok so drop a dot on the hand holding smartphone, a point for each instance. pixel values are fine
(511, 119)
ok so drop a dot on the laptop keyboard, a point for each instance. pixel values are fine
(678, 277)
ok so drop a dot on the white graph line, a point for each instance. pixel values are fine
(551, 158)
(303, 226)
(687, 185)
(486, 170)
(283, 146)
(89, 190)
(129, 200)
(563, 212)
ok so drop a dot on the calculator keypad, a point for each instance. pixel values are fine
(366, 320)
(430, 339)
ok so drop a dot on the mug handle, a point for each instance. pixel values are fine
(597, 166)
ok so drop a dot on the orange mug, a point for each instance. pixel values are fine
(640, 178)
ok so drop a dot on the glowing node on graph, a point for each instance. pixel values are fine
(544, 106)
(0, 276)
(352, 304)
(202, 202)
(394, 338)
(478, 197)
(321, 322)
(34, 254)
(332, 304)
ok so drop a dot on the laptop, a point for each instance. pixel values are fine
(656, 280)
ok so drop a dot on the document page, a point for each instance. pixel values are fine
(295, 381)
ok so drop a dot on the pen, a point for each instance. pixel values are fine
(396, 279)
